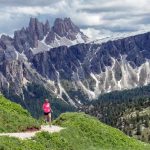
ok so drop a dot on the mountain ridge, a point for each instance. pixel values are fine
(76, 74)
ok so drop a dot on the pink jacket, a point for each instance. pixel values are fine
(46, 107)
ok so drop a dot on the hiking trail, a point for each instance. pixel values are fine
(30, 134)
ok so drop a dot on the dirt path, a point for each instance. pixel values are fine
(27, 135)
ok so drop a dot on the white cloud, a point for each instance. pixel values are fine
(94, 34)
(87, 19)
(32, 10)
(96, 17)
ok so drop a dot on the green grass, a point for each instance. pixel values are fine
(14, 118)
(82, 132)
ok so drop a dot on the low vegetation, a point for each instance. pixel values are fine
(82, 132)
(126, 110)
(14, 118)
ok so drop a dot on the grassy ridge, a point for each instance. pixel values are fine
(82, 132)
(14, 118)
(94, 134)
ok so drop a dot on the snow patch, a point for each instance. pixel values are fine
(17, 55)
(42, 47)
(59, 41)
(90, 93)
(62, 90)
(96, 89)
(111, 80)
(118, 36)
(25, 81)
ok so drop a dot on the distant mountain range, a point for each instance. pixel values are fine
(63, 61)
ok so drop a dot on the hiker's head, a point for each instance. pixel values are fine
(46, 100)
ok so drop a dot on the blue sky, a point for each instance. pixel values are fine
(97, 18)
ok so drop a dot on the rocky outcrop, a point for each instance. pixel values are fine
(64, 32)
(38, 37)
(64, 28)
(62, 59)
(25, 39)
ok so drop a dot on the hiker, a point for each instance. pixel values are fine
(47, 111)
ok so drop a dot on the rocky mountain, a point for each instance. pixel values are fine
(98, 68)
(39, 37)
(59, 59)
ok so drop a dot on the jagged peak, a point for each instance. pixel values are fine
(58, 20)
(67, 19)
(46, 27)
(34, 22)
(65, 25)
(47, 22)
(66, 28)
(32, 19)
(40, 35)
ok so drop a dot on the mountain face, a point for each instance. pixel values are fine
(99, 68)
(59, 59)
(64, 32)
